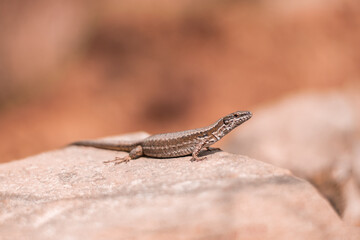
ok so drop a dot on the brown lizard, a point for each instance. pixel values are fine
(175, 144)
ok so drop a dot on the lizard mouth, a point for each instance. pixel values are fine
(245, 116)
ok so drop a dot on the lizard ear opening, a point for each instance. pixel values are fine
(226, 121)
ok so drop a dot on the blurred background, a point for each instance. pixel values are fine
(73, 70)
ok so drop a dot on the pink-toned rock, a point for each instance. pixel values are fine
(351, 193)
(316, 136)
(70, 194)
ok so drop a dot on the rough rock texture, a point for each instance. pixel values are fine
(70, 194)
(316, 136)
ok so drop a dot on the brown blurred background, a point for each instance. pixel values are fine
(73, 70)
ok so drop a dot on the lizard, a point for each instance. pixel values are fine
(175, 144)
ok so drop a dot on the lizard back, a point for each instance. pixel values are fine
(176, 144)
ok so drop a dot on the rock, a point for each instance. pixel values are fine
(312, 134)
(70, 194)
(351, 193)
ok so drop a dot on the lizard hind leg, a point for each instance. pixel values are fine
(133, 154)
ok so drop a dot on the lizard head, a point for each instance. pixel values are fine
(235, 119)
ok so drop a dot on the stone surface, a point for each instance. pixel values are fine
(70, 194)
(351, 193)
(316, 136)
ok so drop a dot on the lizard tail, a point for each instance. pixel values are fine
(117, 146)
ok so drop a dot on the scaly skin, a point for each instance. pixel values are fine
(175, 144)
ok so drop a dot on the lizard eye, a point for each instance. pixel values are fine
(236, 115)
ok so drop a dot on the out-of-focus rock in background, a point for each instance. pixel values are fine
(316, 136)
(83, 69)
(70, 194)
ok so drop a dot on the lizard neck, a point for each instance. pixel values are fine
(219, 129)
(212, 133)
(213, 128)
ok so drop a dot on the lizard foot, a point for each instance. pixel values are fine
(197, 159)
(119, 160)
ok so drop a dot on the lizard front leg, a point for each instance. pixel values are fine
(196, 152)
(133, 154)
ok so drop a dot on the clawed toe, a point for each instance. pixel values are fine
(122, 160)
(118, 160)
